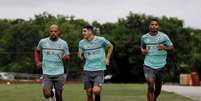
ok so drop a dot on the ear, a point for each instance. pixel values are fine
(90, 31)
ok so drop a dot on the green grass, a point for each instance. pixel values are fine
(75, 92)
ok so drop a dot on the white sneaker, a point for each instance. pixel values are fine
(53, 98)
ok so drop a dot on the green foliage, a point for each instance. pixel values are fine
(19, 37)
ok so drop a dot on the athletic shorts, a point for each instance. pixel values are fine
(151, 73)
(93, 78)
(56, 81)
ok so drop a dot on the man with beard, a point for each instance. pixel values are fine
(54, 51)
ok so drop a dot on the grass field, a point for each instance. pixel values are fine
(74, 92)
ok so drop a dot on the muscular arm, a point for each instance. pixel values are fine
(168, 49)
(37, 58)
(109, 53)
(143, 47)
(79, 55)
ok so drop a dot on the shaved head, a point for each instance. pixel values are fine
(54, 26)
(54, 32)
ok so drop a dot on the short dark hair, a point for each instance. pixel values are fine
(89, 27)
(154, 19)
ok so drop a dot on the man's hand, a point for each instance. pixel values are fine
(66, 58)
(160, 47)
(79, 55)
(168, 49)
(145, 50)
(39, 65)
(107, 61)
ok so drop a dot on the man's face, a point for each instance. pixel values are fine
(86, 33)
(54, 33)
(153, 27)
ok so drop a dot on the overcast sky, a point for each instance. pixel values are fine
(104, 10)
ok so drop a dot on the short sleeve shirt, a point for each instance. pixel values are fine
(94, 53)
(52, 55)
(155, 58)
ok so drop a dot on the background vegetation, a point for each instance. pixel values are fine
(19, 37)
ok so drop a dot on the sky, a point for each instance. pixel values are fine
(104, 10)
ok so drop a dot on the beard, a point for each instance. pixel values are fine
(53, 38)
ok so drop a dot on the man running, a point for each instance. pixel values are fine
(93, 49)
(54, 51)
(155, 45)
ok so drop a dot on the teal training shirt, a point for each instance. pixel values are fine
(94, 53)
(52, 54)
(155, 58)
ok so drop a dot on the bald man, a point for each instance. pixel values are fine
(53, 51)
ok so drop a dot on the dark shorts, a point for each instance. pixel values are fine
(93, 78)
(56, 81)
(151, 73)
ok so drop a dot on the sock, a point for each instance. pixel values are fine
(97, 97)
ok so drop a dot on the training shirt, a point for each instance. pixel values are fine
(94, 53)
(155, 58)
(52, 55)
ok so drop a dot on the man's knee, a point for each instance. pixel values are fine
(151, 88)
(47, 89)
(97, 90)
(89, 91)
(46, 93)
